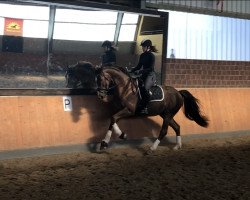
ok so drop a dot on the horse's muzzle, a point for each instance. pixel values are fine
(102, 94)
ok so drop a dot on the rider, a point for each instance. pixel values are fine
(145, 67)
(109, 56)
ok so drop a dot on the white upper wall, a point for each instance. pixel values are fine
(223, 7)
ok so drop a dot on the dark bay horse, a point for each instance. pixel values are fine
(125, 88)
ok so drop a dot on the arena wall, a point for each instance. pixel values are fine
(206, 73)
(40, 121)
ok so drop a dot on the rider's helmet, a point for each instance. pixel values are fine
(107, 43)
(146, 43)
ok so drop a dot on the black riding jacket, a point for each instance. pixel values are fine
(146, 63)
(109, 58)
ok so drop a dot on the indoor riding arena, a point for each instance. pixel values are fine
(51, 132)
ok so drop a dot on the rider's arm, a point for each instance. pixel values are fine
(150, 62)
(139, 65)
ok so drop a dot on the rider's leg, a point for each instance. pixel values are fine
(150, 80)
(146, 94)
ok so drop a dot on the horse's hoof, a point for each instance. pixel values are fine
(177, 147)
(104, 146)
(123, 136)
(149, 152)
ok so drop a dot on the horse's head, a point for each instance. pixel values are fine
(80, 75)
(105, 85)
(71, 78)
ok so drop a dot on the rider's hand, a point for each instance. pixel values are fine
(138, 72)
(131, 70)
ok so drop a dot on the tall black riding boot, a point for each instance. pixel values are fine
(145, 99)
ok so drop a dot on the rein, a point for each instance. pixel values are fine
(110, 90)
(135, 84)
(106, 91)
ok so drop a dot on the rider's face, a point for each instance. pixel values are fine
(105, 48)
(144, 48)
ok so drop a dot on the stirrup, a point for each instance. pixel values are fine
(144, 111)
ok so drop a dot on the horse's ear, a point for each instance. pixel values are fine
(98, 69)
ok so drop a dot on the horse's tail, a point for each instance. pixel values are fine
(192, 109)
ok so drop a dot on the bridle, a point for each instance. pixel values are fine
(106, 91)
(109, 90)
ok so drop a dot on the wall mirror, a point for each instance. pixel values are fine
(39, 42)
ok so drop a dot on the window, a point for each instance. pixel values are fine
(35, 18)
(127, 33)
(128, 27)
(84, 25)
(90, 17)
(35, 29)
(24, 12)
(197, 36)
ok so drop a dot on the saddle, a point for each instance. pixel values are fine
(157, 93)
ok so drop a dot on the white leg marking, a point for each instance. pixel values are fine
(178, 143)
(155, 145)
(117, 129)
(108, 136)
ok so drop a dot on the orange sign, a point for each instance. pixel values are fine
(13, 27)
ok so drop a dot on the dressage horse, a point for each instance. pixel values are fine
(122, 85)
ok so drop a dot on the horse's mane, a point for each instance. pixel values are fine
(84, 64)
(119, 69)
(80, 64)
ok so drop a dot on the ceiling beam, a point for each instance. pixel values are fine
(118, 27)
(91, 5)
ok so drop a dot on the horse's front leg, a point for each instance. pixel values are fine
(113, 125)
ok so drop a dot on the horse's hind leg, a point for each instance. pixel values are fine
(163, 133)
(176, 128)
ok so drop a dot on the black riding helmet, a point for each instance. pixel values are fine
(146, 43)
(107, 43)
